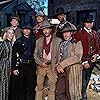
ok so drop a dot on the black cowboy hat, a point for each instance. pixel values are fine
(27, 26)
(60, 11)
(88, 18)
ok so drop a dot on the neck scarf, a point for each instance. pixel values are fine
(46, 46)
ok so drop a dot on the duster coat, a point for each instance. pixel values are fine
(73, 69)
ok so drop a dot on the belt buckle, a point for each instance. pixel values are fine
(24, 61)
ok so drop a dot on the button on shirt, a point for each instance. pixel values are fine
(26, 49)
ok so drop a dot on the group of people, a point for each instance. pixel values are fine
(60, 54)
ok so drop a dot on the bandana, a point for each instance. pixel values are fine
(46, 46)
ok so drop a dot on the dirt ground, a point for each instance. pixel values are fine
(92, 95)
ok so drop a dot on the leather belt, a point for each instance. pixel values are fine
(25, 61)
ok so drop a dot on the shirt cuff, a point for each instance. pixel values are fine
(84, 62)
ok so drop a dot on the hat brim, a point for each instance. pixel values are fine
(27, 28)
(15, 18)
(51, 26)
(68, 31)
(59, 14)
(88, 21)
(40, 15)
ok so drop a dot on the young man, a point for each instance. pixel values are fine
(46, 55)
(61, 16)
(14, 25)
(69, 66)
(23, 80)
(40, 17)
(89, 40)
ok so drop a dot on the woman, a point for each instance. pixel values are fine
(5, 63)
(69, 66)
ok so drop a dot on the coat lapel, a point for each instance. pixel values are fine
(53, 46)
(84, 35)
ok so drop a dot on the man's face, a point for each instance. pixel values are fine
(26, 32)
(88, 25)
(39, 19)
(67, 35)
(47, 31)
(61, 17)
(14, 22)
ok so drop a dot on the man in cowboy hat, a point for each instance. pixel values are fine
(61, 16)
(46, 54)
(25, 72)
(69, 66)
(40, 17)
(14, 25)
(89, 40)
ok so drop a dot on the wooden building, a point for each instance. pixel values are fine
(12, 7)
(77, 9)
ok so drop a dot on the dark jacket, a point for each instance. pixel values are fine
(24, 49)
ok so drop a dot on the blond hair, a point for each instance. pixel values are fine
(5, 35)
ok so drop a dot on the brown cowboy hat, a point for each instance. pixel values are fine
(68, 27)
(15, 17)
(46, 24)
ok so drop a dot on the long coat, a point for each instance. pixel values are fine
(73, 69)
(82, 36)
(54, 55)
(5, 66)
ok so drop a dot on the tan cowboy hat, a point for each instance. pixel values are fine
(40, 13)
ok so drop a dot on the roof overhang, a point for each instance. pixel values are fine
(4, 1)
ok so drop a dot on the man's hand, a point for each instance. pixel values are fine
(15, 72)
(86, 65)
(44, 65)
(59, 69)
(94, 58)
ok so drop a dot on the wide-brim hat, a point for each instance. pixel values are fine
(27, 26)
(46, 24)
(15, 17)
(68, 27)
(88, 18)
(40, 13)
(60, 11)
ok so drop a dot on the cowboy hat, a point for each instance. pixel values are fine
(88, 18)
(46, 24)
(68, 27)
(40, 13)
(60, 11)
(15, 17)
(27, 26)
